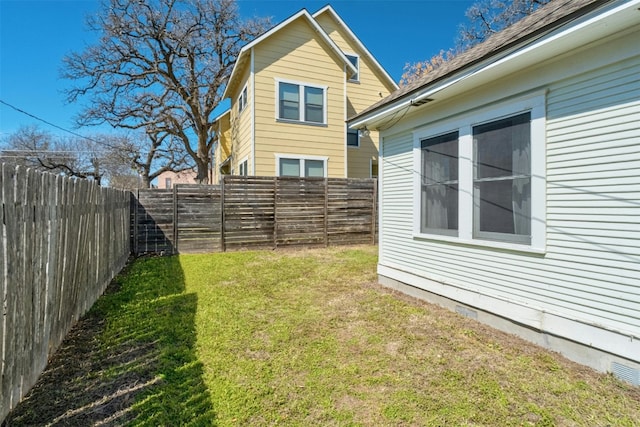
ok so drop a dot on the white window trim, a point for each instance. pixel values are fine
(244, 159)
(302, 159)
(535, 103)
(244, 94)
(355, 55)
(301, 86)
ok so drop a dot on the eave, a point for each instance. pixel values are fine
(610, 18)
(245, 52)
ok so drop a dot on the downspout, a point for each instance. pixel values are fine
(252, 78)
(344, 131)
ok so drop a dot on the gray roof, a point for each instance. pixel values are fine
(548, 17)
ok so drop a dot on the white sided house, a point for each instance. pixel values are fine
(510, 182)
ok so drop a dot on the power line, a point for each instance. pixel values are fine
(51, 124)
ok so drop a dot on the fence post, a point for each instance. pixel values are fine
(276, 181)
(175, 218)
(222, 245)
(135, 221)
(374, 211)
(326, 212)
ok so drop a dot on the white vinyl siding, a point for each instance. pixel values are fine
(590, 270)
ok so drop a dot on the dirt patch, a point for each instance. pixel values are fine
(80, 385)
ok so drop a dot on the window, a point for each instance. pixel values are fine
(353, 138)
(301, 103)
(242, 100)
(439, 187)
(167, 183)
(502, 179)
(243, 168)
(302, 167)
(374, 169)
(481, 177)
(355, 60)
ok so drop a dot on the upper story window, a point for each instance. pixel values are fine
(242, 100)
(355, 60)
(301, 102)
(482, 177)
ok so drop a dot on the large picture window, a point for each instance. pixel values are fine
(439, 187)
(301, 103)
(480, 177)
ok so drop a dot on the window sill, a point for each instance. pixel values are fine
(353, 146)
(298, 122)
(489, 244)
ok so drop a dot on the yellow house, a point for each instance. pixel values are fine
(291, 91)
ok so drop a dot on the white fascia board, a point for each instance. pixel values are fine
(591, 27)
(221, 115)
(357, 41)
(246, 49)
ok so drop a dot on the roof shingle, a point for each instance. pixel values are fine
(546, 18)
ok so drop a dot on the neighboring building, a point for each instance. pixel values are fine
(291, 92)
(167, 180)
(510, 187)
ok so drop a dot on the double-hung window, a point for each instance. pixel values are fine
(305, 166)
(301, 102)
(502, 179)
(481, 177)
(439, 187)
(243, 168)
(242, 100)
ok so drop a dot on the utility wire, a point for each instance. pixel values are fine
(52, 124)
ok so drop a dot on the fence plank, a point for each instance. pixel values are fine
(57, 255)
(255, 212)
(3, 284)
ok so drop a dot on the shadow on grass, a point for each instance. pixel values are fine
(130, 360)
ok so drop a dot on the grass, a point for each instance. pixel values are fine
(303, 338)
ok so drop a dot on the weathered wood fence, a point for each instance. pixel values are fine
(62, 241)
(255, 212)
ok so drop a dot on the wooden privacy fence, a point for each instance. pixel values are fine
(63, 240)
(255, 212)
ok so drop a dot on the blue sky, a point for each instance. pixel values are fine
(36, 34)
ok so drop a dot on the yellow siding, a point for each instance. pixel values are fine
(360, 95)
(223, 148)
(297, 54)
(241, 121)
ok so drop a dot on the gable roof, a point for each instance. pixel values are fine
(528, 30)
(379, 68)
(245, 52)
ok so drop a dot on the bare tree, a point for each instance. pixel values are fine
(485, 17)
(32, 147)
(150, 155)
(161, 66)
(415, 71)
(116, 158)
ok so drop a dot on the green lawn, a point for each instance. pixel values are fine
(307, 338)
